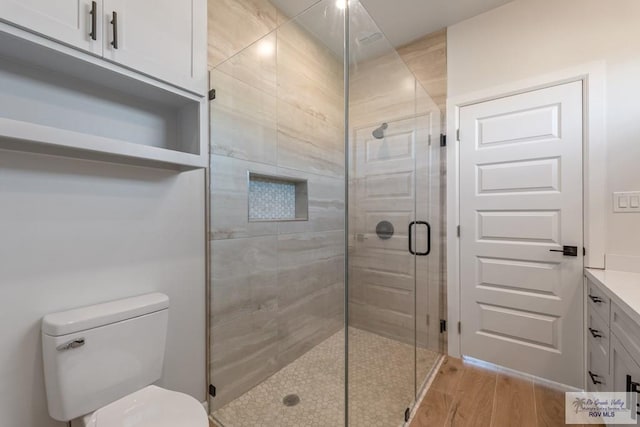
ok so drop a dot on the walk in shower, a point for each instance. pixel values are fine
(325, 226)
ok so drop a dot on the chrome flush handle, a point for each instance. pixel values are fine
(78, 342)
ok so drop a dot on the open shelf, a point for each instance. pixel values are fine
(55, 100)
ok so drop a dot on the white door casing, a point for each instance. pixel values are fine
(520, 197)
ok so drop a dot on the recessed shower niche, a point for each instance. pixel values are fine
(276, 198)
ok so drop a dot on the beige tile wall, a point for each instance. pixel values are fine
(278, 287)
(427, 60)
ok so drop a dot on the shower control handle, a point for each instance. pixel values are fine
(426, 224)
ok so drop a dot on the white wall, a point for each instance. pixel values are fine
(528, 38)
(75, 232)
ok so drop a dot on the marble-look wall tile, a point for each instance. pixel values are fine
(307, 322)
(325, 201)
(243, 120)
(427, 59)
(310, 275)
(230, 199)
(309, 143)
(235, 24)
(381, 90)
(244, 310)
(255, 65)
(308, 262)
(310, 76)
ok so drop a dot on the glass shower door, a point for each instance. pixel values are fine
(394, 282)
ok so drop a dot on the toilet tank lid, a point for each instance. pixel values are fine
(93, 316)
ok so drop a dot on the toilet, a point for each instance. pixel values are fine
(100, 363)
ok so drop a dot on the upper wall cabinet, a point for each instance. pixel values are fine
(164, 39)
(119, 81)
(74, 22)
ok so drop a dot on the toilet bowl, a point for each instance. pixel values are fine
(101, 361)
(150, 407)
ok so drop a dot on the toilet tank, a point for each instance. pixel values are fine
(97, 354)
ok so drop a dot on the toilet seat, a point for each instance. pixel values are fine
(151, 406)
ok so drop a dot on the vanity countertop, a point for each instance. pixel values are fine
(622, 287)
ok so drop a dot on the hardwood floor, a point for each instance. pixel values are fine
(463, 394)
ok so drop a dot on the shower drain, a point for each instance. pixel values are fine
(291, 400)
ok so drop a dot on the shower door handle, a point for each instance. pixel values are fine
(428, 251)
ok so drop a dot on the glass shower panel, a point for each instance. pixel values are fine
(277, 281)
(393, 334)
(383, 144)
(428, 283)
(278, 342)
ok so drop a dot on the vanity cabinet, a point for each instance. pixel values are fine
(613, 344)
(598, 348)
(164, 39)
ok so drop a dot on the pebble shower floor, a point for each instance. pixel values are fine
(380, 386)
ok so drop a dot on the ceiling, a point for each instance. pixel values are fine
(402, 21)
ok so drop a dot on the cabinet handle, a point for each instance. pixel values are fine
(114, 22)
(94, 18)
(595, 333)
(593, 378)
(595, 299)
(634, 387)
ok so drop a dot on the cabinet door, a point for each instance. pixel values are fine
(67, 21)
(622, 365)
(165, 39)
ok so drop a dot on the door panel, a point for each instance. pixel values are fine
(67, 21)
(521, 200)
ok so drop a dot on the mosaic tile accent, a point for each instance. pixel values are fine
(271, 199)
(381, 378)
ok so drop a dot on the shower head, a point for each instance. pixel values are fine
(379, 132)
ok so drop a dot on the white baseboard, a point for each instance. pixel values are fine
(519, 374)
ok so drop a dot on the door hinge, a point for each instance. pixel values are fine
(212, 390)
(457, 134)
(443, 140)
(212, 94)
(584, 251)
(407, 414)
(459, 327)
(458, 230)
(443, 325)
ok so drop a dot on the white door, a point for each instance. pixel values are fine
(73, 22)
(162, 38)
(520, 201)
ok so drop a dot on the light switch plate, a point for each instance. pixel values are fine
(626, 202)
